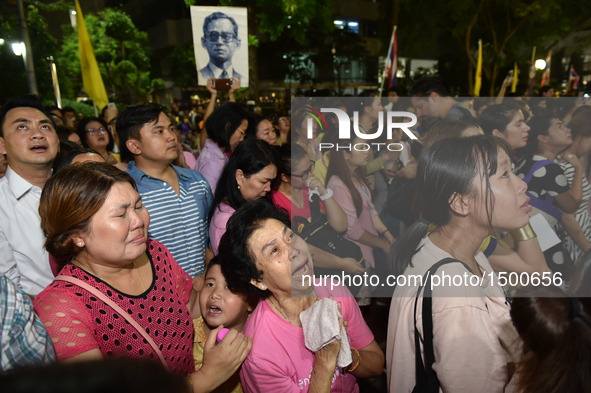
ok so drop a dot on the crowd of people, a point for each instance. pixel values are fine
(185, 239)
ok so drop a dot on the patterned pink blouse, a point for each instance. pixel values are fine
(78, 322)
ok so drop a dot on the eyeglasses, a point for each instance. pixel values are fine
(305, 173)
(92, 131)
(214, 36)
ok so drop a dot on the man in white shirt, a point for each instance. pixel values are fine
(29, 140)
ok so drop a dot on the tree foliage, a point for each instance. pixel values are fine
(122, 53)
(508, 28)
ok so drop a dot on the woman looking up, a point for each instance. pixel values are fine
(466, 188)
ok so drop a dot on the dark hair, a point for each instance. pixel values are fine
(580, 124)
(253, 122)
(338, 167)
(70, 199)
(237, 260)
(218, 15)
(130, 122)
(448, 167)
(365, 99)
(251, 156)
(424, 87)
(539, 125)
(447, 129)
(64, 132)
(297, 118)
(250, 299)
(223, 122)
(95, 376)
(289, 154)
(25, 101)
(50, 108)
(69, 151)
(556, 333)
(84, 135)
(497, 117)
(545, 89)
(68, 109)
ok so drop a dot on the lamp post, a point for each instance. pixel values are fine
(56, 86)
(27, 53)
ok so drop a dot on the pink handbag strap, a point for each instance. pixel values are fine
(115, 306)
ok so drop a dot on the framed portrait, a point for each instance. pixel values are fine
(220, 37)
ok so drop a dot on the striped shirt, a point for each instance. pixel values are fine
(24, 340)
(178, 221)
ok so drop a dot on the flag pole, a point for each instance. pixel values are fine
(385, 73)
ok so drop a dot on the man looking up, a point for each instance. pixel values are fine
(29, 140)
(178, 199)
(220, 39)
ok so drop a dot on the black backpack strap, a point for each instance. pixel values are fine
(424, 372)
(315, 207)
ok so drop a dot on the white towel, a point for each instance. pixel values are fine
(321, 327)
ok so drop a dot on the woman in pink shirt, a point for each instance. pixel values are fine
(247, 176)
(226, 128)
(364, 226)
(260, 255)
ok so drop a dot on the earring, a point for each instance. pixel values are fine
(263, 287)
(238, 186)
(79, 244)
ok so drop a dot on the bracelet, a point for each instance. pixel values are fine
(350, 370)
(328, 194)
(524, 233)
(383, 233)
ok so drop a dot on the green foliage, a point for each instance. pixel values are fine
(79, 107)
(182, 63)
(121, 51)
(508, 29)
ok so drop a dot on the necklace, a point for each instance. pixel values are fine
(143, 286)
(140, 276)
(276, 307)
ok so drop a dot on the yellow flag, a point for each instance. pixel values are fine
(478, 78)
(515, 80)
(91, 76)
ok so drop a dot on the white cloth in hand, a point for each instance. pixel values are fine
(321, 327)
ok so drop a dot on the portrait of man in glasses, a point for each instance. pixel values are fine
(220, 39)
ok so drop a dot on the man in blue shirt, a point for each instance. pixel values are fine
(178, 199)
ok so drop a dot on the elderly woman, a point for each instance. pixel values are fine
(260, 255)
(466, 188)
(112, 274)
(247, 176)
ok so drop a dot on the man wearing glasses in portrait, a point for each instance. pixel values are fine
(220, 39)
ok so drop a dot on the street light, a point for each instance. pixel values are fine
(19, 48)
(540, 64)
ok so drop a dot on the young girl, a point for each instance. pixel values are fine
(219, 306)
